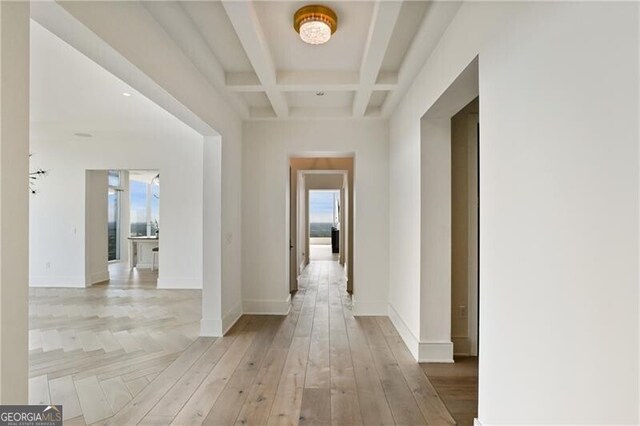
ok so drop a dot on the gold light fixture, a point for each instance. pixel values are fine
(315, 23)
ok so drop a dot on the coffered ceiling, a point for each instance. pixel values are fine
(250, 52)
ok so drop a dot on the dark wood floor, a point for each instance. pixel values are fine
(457, 385)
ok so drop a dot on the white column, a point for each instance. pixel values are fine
(435, 246)
(14, 201)
(211, 324)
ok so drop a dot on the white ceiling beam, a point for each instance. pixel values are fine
(177, 23)
(317, 78)
(383, 22)
(320, 112)
(236, 81)
(308, 81)
(56, 19)
(436, 20)
(245, 22)
(303, 113)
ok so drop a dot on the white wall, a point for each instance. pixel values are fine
(57, 214)
(559, 206)
(267, 147)
(324, 181)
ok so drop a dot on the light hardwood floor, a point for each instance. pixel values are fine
(92, 350)
(128, 356)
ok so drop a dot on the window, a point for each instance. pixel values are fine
(114, 178)
(324, 207)
(113, 215)
(145, 206)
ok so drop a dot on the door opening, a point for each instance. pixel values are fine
(464, 269)
(464, 230)
(317, 175)
(133, 227)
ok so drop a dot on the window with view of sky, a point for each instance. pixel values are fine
(322, 211)
(144, 196)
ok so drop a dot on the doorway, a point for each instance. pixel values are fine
(450, 236)
(464, 230)
(320, 174)
(457, 383)
(114, 216)
(133, 227)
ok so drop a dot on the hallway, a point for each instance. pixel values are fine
(322, 252)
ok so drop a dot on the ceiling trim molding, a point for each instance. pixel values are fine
(245, 22)
(385, 16)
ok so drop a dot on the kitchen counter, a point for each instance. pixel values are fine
(141, 252)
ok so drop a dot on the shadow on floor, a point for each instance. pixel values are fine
(457, 385)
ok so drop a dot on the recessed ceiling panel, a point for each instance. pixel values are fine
(377, 98)
(212, 22)
(256, 99)
(343, 52)
(409, 20)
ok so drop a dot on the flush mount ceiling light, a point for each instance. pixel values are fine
(127, 94)
(83, 135)
(315, 23)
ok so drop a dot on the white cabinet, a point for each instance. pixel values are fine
(141, 252)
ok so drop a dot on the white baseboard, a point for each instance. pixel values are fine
(436, 352)
(266, 307)
(178, 283)
(476, 422)
(231, 317)
(364, 309)
(412, 342)
(98, 277)
(56, 281)
(144, 265)
(210, 327)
